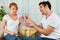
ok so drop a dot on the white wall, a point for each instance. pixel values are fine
(34, 11)
(58, 7)
(26, 7)
(31, 8)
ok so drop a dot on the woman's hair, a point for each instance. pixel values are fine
(13, 4)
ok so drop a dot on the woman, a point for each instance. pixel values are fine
(10, 23)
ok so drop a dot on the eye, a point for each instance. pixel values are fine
(14, 9)
(40, 6)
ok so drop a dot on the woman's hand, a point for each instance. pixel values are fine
(29, 20)
(13, 33)
(21, 19)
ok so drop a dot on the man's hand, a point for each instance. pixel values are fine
(29, 20)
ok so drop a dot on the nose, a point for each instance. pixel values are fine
(14, 10)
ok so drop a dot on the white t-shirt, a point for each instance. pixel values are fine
(12, 25)
(54, 21)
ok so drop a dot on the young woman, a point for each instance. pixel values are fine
(10, 23)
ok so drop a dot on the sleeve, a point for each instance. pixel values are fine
(53, 23)
(5, 18)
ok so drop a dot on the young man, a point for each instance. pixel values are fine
(50, 23)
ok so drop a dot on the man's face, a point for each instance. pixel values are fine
(43, 9)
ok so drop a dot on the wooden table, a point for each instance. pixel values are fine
(1, 38)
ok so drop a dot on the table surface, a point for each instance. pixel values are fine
(1, 38)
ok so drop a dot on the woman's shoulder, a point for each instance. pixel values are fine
(5, 17)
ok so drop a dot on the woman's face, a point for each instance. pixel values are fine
(13, 9)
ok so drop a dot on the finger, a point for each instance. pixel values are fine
(26, 17)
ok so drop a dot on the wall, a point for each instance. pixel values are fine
(31, 8)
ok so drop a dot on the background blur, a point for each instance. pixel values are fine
(30, 8)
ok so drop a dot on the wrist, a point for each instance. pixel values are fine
(34, 25)
(19, 23)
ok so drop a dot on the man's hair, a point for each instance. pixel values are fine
(13, 4)
(44, 3)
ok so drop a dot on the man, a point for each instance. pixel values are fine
(50, 25)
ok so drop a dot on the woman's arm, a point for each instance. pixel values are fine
(4, 28)
(21, 20)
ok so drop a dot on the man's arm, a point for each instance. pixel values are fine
(40, 25)
(46, 31)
